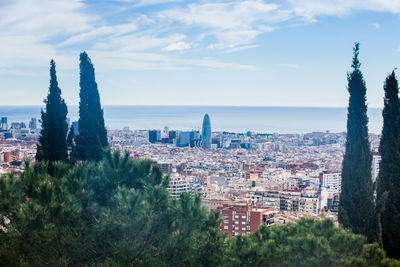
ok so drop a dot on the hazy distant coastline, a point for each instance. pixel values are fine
(223, 118)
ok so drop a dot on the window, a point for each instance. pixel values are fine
(226, 221)
(236, 222)
(243, 216)
(236, 216)
(226, 215)
(243, 228)
(243, 222)
(225, 227)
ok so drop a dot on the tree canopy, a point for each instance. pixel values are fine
(53, 135)
(117, 212)
(91, 142)
(388, 189)
(356, 205)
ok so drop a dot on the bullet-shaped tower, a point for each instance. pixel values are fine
(206, 133)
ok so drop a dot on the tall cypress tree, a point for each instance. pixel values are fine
(92, 139)
(389, 173)
(53, 136)
(356, 205)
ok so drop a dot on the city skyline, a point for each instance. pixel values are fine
(165, 52)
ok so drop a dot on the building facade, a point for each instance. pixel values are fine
(243, 218)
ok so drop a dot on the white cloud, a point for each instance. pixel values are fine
(240, 48)
(28, 30)
(144, 20)
(290, 65)
(148, 2)
(32, 33)
(46, 19)
(309, 9)
(99, 32)
(376, 25)
(215, 64)
(87, 35)
(232, 23)
(177, 46)
(137, 42)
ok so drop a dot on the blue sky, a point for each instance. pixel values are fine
(220, 52)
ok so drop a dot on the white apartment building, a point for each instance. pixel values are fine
(332, 181)
(376, 160)
(179, 185)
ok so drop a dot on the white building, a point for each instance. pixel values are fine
(332, 181)
(179, 185)
(376, 160)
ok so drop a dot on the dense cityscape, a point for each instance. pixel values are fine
(199, 133)
(286, 176)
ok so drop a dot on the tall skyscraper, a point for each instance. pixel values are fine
(32, 124)
(206, 132)
(3, 124)
(154, 136)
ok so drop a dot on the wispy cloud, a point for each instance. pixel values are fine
(232, 23)
(32, 33)
(28, 29)
(290, 65)
(310, 9)
(376, 25)
(177, 46)
(138, 3)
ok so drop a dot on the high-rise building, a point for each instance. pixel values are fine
(184, 139)
(165, 132)
(3, 124)
(332, 181)
(195, 140)
(154, 136)
(206, 132)
(32, 124)
(376, 160)
(15, 125)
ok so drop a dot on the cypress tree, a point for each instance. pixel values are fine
(53, 136)
(389, 173)
(356, 205)
(91, 141)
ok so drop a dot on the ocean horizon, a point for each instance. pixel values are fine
(261, 119)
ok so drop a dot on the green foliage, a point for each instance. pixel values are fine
(91, 141)
(356, 205)
(388, 189)
(117, 212)
(306, 243)
(53, 136)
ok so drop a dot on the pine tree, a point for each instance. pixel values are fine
(92, 139)
(389, 173)
(53, 136)
(356, 205)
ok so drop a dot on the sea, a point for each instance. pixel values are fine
(239, 119)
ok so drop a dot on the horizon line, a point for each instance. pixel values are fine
(244, 106)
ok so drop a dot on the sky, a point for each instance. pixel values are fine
(205, 52)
